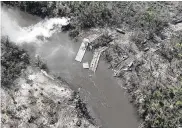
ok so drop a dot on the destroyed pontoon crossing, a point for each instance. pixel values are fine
(82, 50)
(95, 60)
(97, 52)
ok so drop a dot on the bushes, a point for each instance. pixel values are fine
(74, 33)
(176, 41)
(38, 62)
(81, 107)
(90, 14)
(102, 40)
(41, 9)
(150, 16)
(162, 108)
(13, 61)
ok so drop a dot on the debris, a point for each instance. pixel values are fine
(90, 47)
(118, 73)
(115, 73)
(130, 64)
(84, 46)
(124, 57)
(82, 50)
(112, 43)
(146, 49)
(95, 60)
(45, 73)
(120, 31)
(93, 37)
(144, 42)
(86, 65)
(125, 69)
(101, 40)
(177, 21)
(31, 77)
(78, 123)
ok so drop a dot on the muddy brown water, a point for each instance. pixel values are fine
(107, 100)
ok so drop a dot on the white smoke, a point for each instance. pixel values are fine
(37, 33)
(34, 37)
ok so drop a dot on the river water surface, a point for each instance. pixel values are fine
(101, 90)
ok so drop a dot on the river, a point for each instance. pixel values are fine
(101, 90)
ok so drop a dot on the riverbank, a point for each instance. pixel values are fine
(149, 69)
(154, 91)
(32, 98)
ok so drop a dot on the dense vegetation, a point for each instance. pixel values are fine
(161, 106)
(13, 61)
(149, 17)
